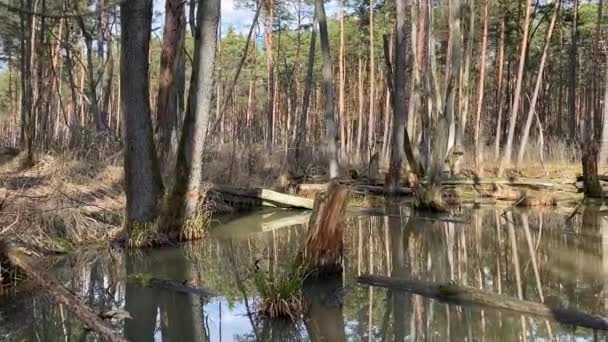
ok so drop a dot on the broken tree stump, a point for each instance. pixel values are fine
(323, 250)
(19, 258)
(460, 295)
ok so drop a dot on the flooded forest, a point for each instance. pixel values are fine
(303, 170)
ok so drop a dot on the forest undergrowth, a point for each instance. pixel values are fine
(68, 199)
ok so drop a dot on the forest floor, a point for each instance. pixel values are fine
(60, 203)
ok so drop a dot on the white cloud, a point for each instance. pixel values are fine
(236, 15)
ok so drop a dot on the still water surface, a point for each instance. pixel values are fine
(535, 255)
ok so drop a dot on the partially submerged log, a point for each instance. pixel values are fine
(568, 185)
(19, 258)
(362, 188)
(323, 249)
(181, 287)
(241, 197)
(462, 295)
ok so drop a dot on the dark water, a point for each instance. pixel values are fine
(533, 254)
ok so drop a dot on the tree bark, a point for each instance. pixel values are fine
(301, 127)
(268, 32)
(482, 79)
(143, 184)
(328, 89)
(401, 92)
(539, 81)
(506, 158)
(573, 73)
(166, 101)
(185, 198)
(499, 90)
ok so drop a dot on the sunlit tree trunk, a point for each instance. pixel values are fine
(372, 82)
(506, 157)
(268, 40)
(143, 185)
(167, 99)
(185, 198)
(301, 127)
(342, 76)
(573, 73)
(328, 89)
(499, 91)
(482, 79)
(401, 92)
(539, 81)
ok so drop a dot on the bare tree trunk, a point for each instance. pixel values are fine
(372, 82)
(499, 95)
(482, 79)
(401, 98)
(328, 89)
(360, 118)
(342, 76)
(506, 158)
(185, 198)
(91, 79)
(268, 28)
(27, 125)
(539, 81)
(143, 184)
(301, 127)
(166, 101)
(573, 73)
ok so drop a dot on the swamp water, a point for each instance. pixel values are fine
(535, 255)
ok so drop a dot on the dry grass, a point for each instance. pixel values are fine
(60, 203)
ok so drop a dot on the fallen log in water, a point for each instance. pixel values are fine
(241, 197)
(19, 259)
(462, 295)
(362, 188)
(181, 287)
(568, 185)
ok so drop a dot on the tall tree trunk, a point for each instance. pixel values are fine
(539, 81)
(301, 127)
(185, 198)
(143, 184)
(328, 89)
(91, 80)
(573, 73)
(360, 117)
(466, 90)
(372, 83)
(499, 91)
(27, 125)
(166, 101)
(401, 92)
(268, 32)
(482, 79)
(506, 158)
(342, 76)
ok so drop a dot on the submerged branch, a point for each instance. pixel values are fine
(462, 295)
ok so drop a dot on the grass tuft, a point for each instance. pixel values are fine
(280, 293)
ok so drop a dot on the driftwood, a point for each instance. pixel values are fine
(459, 295)
(181, 287)
(259, 197)
(19, 258)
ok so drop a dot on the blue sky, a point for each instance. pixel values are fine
(235, 15)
